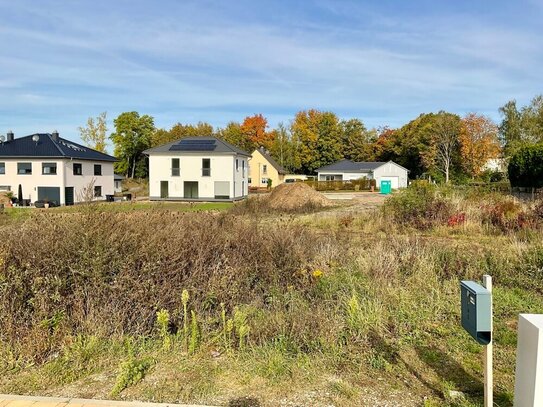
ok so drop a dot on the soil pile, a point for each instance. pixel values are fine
(288, 197)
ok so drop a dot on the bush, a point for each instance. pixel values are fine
(526, 167)
(507, 215)
(419, 206)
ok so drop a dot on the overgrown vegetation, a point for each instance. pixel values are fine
(225, 307)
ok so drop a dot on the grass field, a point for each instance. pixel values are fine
(267, 309)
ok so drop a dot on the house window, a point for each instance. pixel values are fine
(175, 167)
(2, 168)
(97, 191)
(264, 181)
(97, 169)
(243, 168)
(206, 167)
(237, 165)
(24, 168)
(249, 181)
(49, 168)
(264, 169)
(78, 169)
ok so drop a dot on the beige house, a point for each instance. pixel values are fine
(262, 168)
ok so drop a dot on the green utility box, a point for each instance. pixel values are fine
(476, 311)
(386, 187)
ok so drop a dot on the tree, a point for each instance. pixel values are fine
(317, 136)
(444, 143)
(132, 136)
(254, 129)
(283, 149)
(94, 134)
(232, 134)
(356, 140)
(180, 131)
(520, 128)
(526, 167)
(478, 142)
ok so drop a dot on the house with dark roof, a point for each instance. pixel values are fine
(263, 168)
(198, 169)
(48, 167)
(347, 170)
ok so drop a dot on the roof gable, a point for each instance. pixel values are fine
(207, 145)
(270, 160)
(47, 147)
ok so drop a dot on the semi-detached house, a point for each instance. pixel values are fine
(48, 167)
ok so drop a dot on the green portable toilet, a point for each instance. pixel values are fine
(386, 187)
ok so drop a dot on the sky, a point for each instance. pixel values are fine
(384, 62)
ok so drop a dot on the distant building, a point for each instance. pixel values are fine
(198, 169)
(346, 170)
(263, 168)
(52, 168)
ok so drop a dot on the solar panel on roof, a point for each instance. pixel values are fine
(194, 145)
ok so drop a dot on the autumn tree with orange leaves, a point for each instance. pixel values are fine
(478, 142)
(254, 128)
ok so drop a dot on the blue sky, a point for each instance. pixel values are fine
(384, 62)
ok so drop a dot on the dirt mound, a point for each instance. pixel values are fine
(296, 196)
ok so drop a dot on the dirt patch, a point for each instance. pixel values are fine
(290, 197)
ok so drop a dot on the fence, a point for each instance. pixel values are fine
(354, 185)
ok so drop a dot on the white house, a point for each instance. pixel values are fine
(48, 167)
(346, 170)
(198, 169)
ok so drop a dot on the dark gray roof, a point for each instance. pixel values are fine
(46, 147)
(197, 145)
(273, 163)
(118, 177)
(351, 166)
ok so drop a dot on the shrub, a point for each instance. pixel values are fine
(506, 215)
(131, 372)
(526, 167)
(418, 206)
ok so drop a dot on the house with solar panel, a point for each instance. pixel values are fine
(198, 169)
(47, 167)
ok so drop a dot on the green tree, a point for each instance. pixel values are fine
(133, 134)
(94, 134)
(357, 140)
(233, 134)
(526, 167)
(283, 149)
(521, 127)
(180, 131)
(318, 139)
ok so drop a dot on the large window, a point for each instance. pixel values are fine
(2, 168)
(97, 191)
(97, 169)
(243, 168)
(237, 165)
(49, 168)
(175, 167)
(206, 167)
(264, 169)
(24, 168)
(78, 169)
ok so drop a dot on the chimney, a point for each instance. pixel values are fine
(10, 136)
(54, 135)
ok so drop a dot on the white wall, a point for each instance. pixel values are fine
(345, 176)
(222, 169)
(63, 178)
(79, 182)
(389, 170)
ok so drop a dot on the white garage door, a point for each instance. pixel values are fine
(394, 181)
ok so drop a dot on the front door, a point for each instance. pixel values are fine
(69, 195)
(164, 189)
(190, 190)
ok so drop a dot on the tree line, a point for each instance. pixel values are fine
(442, 145)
